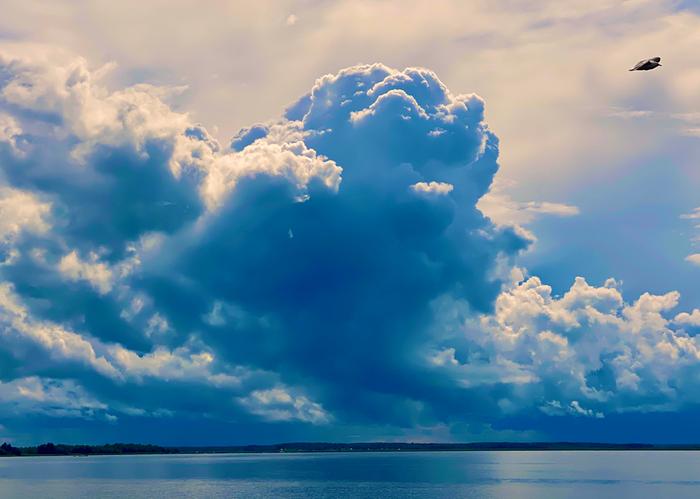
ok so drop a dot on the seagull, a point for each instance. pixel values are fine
(647, 64)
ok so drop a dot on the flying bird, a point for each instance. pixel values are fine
(647, 64)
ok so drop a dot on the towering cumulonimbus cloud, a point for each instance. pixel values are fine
(328, 277)
(328, 267)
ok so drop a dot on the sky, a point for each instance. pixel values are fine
(450, 221)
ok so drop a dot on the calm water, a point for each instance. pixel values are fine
(480, 475)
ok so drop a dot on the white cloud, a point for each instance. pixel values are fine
(110, 360)
(20, 210)
(134, 307)
(16, 325)
(87, 110)
(216, 316)
(437, 188)
(500, 207)
(157, 325)
(10, 132)
(293, 161)
(179, 364)
(577, 409)
(630, 113)
(278, 404)
(555, 408)
(688, 319)
(694, 215)
(544, 207)
(694, 258)
(51, 397)
(588, 350)
(98, 274)
(444, 357)
(133, 116)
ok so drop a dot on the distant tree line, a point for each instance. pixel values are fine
(51, 449)
(425, 447)
(8, 450)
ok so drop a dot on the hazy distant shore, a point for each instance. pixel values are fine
(50, 449)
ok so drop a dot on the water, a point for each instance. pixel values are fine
(434, 475)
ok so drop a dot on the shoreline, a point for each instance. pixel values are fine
(309, 448)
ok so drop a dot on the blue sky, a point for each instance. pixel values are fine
(300, 221)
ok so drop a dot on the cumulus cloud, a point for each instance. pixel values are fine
(113, 164)
(97, 274)
(111, 360)
(334, 264)
(58, 343)
(361, 237)
(20, 211)
(221, 220)
(689, 319)
(56, 350)
(585, 353)
(439, 188)
(293, 161)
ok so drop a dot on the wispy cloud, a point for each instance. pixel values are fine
(500, 207)
(684, 123)
(694, 216)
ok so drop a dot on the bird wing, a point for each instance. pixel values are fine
(640, 64)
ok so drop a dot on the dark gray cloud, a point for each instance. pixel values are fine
(334, 290)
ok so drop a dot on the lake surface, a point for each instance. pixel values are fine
(433, 475)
